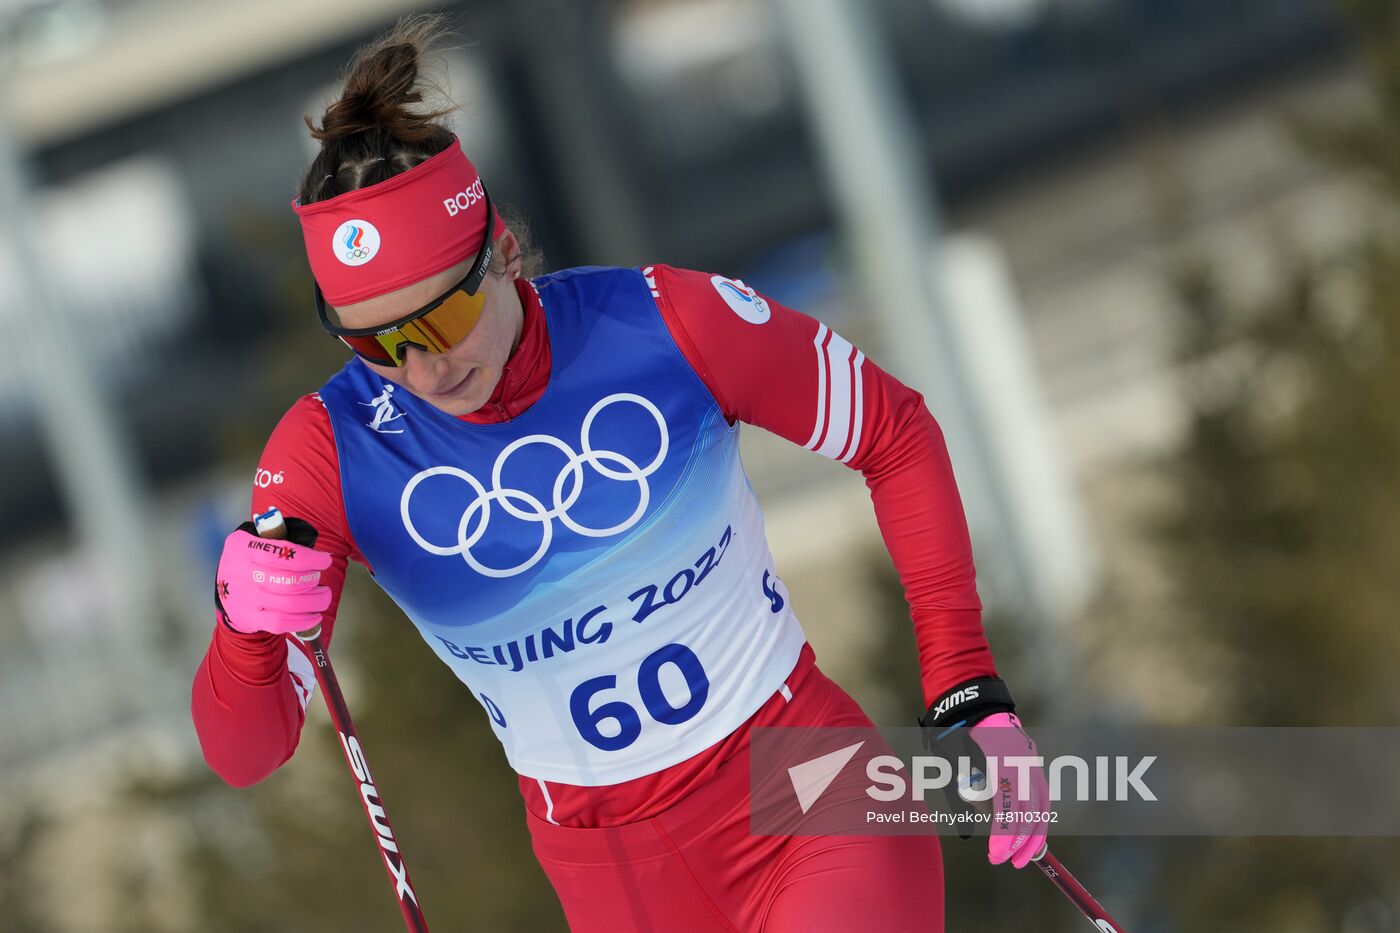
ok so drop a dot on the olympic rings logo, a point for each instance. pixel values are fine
(567, 488)
(355, 242)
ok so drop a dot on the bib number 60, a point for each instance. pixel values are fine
(658, 705)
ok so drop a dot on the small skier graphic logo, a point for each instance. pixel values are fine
(384, 411)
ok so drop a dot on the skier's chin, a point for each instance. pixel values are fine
(468, 395)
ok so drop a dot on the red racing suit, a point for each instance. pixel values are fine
(765, 365)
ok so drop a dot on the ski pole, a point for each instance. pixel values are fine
(1069, 886)
(1076, 892)
(270, 524)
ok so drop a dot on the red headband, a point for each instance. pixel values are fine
(374, 240)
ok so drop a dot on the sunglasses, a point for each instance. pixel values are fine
(434, 328)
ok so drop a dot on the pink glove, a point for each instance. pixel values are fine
(271, 586)
(1022, 796)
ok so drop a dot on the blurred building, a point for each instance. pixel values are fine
(165, 140)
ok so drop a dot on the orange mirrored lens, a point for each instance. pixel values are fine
(372, 349)
(436, 331)
(452, 320)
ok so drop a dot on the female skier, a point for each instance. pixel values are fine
(544, 475)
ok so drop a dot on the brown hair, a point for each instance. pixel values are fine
(375, 131)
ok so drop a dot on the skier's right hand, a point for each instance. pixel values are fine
(274, 586)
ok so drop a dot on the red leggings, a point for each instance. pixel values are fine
(696, 867)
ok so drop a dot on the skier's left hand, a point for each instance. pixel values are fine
(1022, 795)
(981, 712)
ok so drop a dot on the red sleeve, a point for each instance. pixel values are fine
(784, 371)
(250, 692)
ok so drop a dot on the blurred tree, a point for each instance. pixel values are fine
(18, 906)
(1284, 535)
(1286, 531)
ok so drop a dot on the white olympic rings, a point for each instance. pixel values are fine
(533, 509)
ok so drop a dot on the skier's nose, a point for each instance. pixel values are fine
(428, 372)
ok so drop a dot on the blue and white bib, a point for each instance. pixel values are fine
(595, 570)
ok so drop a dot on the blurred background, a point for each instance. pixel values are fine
(1141, 256)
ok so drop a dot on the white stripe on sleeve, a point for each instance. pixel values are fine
(858, 415)
(839, 354)
(821, 388)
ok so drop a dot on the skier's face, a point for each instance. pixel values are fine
(462, 378)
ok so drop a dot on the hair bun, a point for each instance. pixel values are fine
(381, 85)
